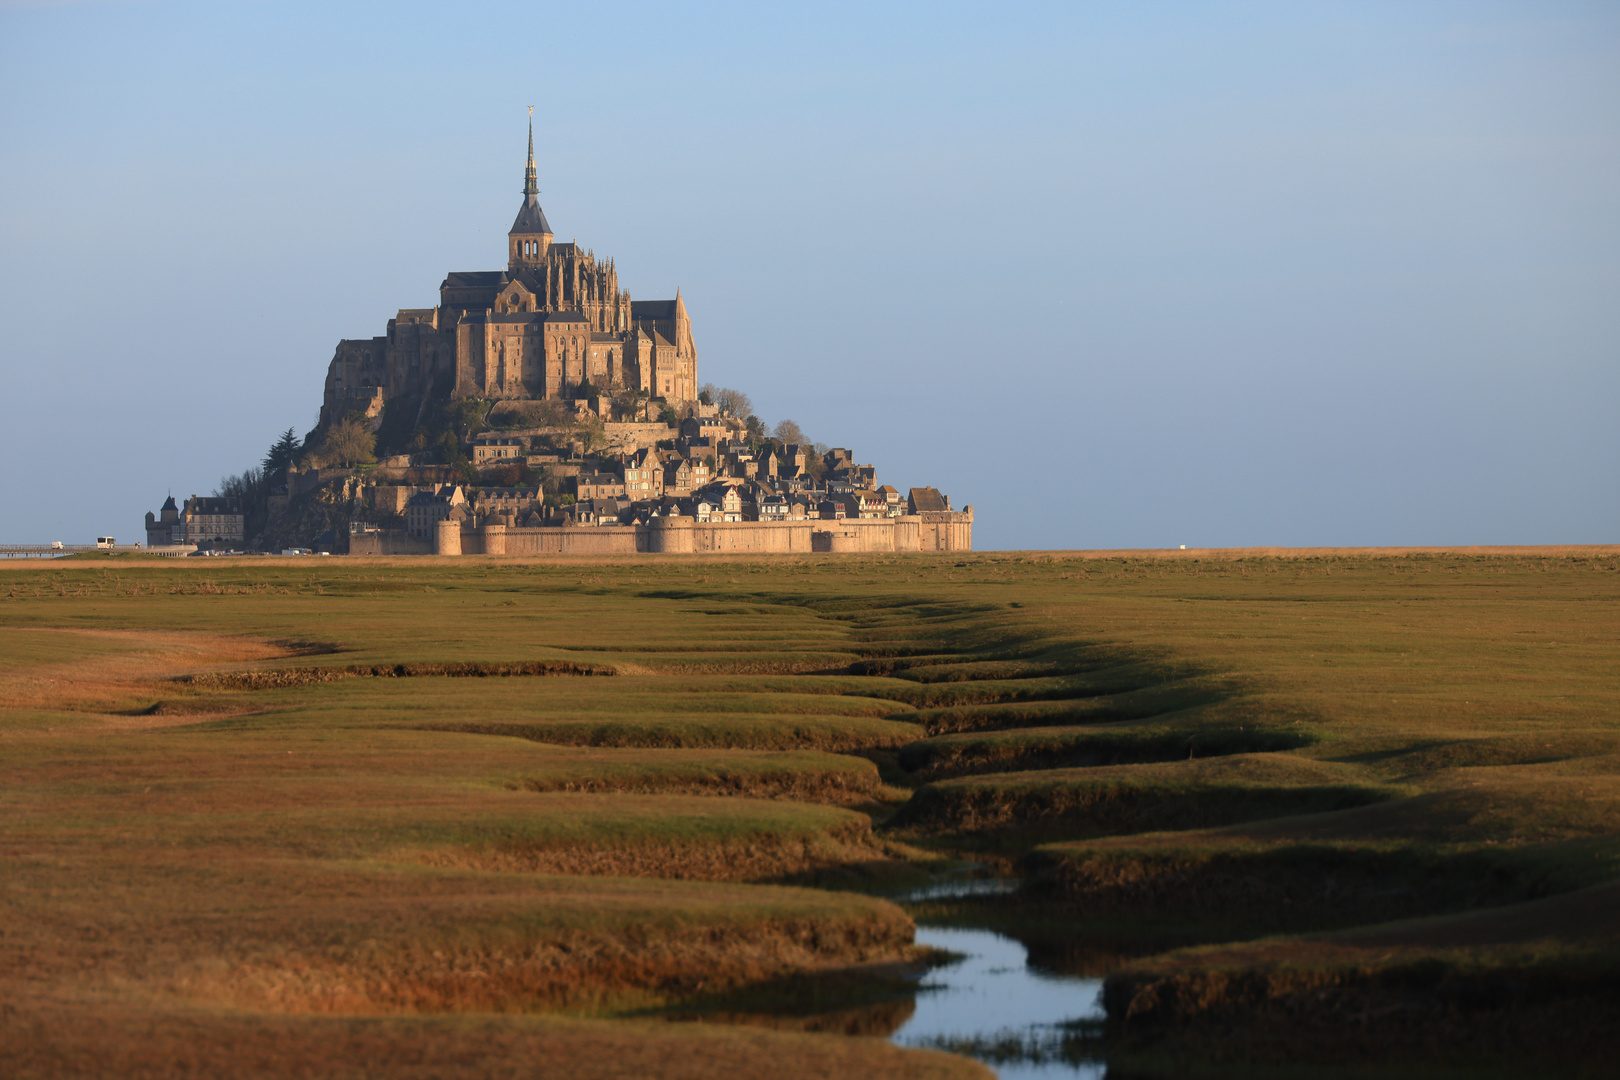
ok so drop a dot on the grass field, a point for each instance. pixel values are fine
(303, 813)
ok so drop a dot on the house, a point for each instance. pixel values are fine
(425, 509)
(831, 509)
(926, 500)
(698, 427)
(609, 511)
(682, 476)
(505, 505)
(489, 449)
(720, 503)
(644, 475)
(869, 504)
(598, 485)
(211, 521)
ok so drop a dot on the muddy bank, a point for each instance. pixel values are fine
(1295, 888)
(565, 971)
(1426, 1017)
(280, 678)
(843, 855)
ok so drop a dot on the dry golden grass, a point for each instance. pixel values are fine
(1234, 743)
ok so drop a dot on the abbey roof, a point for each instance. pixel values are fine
(530, 218)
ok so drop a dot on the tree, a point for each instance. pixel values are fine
(731, 402)
(252, 489)
(281, 455)
(788, 432)
(706, 393)
(754, 428)
(591, 433)
(348, 442)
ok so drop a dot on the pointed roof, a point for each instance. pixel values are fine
(168, 504)
(530, 218)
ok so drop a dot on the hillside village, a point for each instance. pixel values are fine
(543, 397)
(587, 471)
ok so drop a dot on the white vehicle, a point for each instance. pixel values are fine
(104, 542)
(56, 545)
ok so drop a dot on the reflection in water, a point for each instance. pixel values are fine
(992, 1006)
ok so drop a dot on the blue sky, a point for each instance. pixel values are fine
(1118, 275)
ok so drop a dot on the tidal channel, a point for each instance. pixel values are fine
(992, 1005)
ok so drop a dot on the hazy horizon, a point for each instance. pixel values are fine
(1248, 275)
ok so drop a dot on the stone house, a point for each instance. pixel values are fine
(598, 485)
(683, 476)
(869, 504)
(489, 449)
(694, 427)
(831, 510)
(644, 475)
(507, 505)
(926, 500)
(425, 509)
(212, 522)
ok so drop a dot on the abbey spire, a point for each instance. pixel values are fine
(531, 183)
(530, 236)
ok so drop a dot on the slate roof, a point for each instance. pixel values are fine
(652, 309)
(474, 279)
(926, 499)
(530, 219)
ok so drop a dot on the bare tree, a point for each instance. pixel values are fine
(788, 432)
(347, 442)
(732, 402)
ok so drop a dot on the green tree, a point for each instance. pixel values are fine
(282, 453)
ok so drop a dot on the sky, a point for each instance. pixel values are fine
(1116, 275)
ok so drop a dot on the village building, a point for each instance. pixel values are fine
(491, 449)
(425, 509)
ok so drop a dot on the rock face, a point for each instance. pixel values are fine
(553, 321)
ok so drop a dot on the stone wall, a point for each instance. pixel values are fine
(939, 531)
(388, 542)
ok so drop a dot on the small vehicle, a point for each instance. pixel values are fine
(56, 545)
(106, 543)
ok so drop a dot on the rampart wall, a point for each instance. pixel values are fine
(389, 542)
(938, 531)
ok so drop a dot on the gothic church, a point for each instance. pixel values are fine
(553, 319)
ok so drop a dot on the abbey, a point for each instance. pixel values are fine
(554, 319)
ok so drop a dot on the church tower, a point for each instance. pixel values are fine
(530, 236)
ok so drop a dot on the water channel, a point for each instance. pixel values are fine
(992, 1005)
